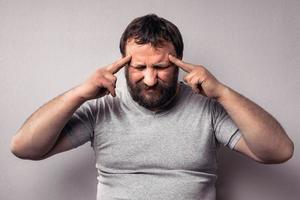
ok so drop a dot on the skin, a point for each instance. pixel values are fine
(40, 136)
(149, 68)
(263, 138)
(257, 126)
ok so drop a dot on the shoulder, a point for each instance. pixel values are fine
(197, 103)
(189, 98)
(102, 103)
(108, 102)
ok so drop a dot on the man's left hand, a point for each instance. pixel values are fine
(200, 79)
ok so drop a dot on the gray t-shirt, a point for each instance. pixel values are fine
(165, 155)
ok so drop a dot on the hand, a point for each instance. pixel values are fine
(199, 79)
(103, 81)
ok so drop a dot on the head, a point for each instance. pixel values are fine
(150, 77)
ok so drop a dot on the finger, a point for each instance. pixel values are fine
(111, 88)
(102, 92)
(201, 91)
(195, 89)
(188, 77)
(111, 77)
(109, 85)
(185, 79)
(195, 84)
(116, 66)
(183, 65)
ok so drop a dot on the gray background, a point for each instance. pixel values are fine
(47, 47)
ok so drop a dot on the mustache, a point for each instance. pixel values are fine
(157, 86)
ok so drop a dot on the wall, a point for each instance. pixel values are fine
(47, 47)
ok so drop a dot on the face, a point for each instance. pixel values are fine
(151, 78)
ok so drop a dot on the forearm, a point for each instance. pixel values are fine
(41, 130)
(262, 133)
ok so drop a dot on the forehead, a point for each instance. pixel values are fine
(149, 53)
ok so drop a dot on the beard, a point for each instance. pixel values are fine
(153, 97)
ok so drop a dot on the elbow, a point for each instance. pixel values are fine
(289, 152)
(17, 148)
(282, 156)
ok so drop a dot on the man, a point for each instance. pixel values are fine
(157, 138)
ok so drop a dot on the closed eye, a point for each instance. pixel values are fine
(161, 66)
(155, 66)
(139, 67)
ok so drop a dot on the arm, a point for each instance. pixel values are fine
(41, 135)
(263, 139)
(41, 130)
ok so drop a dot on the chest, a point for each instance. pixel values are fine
(149, 142)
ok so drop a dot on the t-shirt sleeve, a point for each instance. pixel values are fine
(80, 128)
(226, 131)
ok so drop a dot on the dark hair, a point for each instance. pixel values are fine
(152, 29)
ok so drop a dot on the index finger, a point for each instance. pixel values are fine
(116, 66)
(183, 65)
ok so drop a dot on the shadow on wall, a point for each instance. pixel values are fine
(73, 176)
(259, 180)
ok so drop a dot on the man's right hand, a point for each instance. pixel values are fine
(103, 81)
(39, 137)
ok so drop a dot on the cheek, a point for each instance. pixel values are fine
(135, 75)
(166, 75)
(163, 75)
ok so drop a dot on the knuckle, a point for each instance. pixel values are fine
(189, 79)
(114, 63)
(198, 68)
(101, 70)
(100, 79)
(194, 81)
(114, 78)
(108, 70)
(110, 84)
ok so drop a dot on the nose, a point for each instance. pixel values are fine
(150, 77)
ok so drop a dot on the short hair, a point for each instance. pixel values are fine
(154, 30)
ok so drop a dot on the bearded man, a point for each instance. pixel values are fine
(156, 138)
